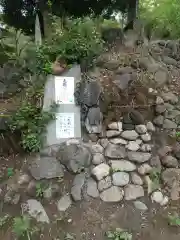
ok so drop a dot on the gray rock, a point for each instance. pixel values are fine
(163, 151)
(146, 148)
(64, 203)
(140, 206)
(155, 162)
(170, 161)
(146, 137)
(112, 133)
(165, 201)
(93, 137)
(139, 157)
(93, 121)
(144, 169)
(170, 97)
(118, 141)
(45, 167)
(104, 183)
(122, 165)
(170, 61)
(120, 178)
(76, 190)
(132, 192)
(113, 126)
(168, 124)
(169, 107)
(136, 179)
(136, 117)
(90, 92)
(139, 141)
(123, 81)
(36, 210)
(128, 126)
(171, 176)
(24, 179)
(31, 188)
(120, 126)
(123, 70)
(157, 197)
(52, 191)
(112, 65)
(16, 198)
(173, 114)
(141, 129)
(101, 171)
(104, 142)
(129, 135)
(147, 63)
(74, 157)
(150, 127)
(132, 146)
(159, 100)
(92, 190)
(112, 194)
(98, 158)
(97, 148)
(160, 109)
(115, 151)
(161, 77)
(158, 120)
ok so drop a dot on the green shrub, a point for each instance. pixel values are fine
(30, 119)
(79, 40)
(161, 17)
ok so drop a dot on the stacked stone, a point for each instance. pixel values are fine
(124, 168)
(167, 111)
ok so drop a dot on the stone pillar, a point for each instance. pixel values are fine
(60, 89)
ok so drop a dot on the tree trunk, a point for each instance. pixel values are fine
(132, 12)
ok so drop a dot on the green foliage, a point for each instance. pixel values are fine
(4, 220)
(22, 227)
(13, 14)
(119, 234)
(79, 40)
(110, 23)
(15, 45)
(174, 220)
(155, 176)
(31, 121)
(39, 190)
(10, 172)
(161, 17)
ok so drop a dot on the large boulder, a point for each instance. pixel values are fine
(74, 157)
(42, 167)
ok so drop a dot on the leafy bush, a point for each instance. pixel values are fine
(79, 40)
(161, 17)
(30, 119)
(15, 45)
(22, 227)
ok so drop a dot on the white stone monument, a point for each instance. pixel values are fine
(60, 89)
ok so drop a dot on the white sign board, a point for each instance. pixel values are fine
(65, 125)
(64, 90)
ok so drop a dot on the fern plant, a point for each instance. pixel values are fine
(174, 220)
(119, 234)
(22, 227)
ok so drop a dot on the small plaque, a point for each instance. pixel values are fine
(64, 90)
(65, 125)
